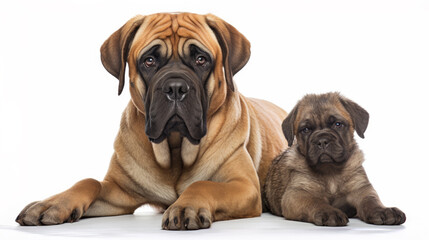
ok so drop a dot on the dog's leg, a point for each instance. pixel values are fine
(371, 210)
(299, 205)
(231, 194)
(88, 197)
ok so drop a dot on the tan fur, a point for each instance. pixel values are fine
(216, 180)
(189, 152)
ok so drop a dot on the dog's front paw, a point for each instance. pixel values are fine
(48, 213)
(186, 218)
(330, 217)
(385, 216)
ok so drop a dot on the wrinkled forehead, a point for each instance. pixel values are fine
(321, 112)
(174, 34)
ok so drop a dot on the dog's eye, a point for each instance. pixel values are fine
(200, 60)
(149, 62)
(338, 124)
(305, 130)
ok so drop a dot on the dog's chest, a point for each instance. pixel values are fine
(335, 191)
(333, 185)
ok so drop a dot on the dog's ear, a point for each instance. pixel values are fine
(359, 115)
(114, 51)
(288, 125)
(235, 47)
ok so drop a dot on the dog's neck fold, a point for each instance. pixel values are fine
(162, 154)
(188, 151)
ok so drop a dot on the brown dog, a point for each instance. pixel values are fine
(320, 179)
(188, 140)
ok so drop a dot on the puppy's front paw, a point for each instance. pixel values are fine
(330, 217)
(385, 216)
(186, 218)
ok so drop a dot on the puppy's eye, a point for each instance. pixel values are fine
(306, 130)
(338, 124)
(200, 60)
(149, 62)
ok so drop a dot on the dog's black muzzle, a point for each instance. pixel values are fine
(176, 102)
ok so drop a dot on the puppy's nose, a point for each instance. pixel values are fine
(175, 89)
(323, 143)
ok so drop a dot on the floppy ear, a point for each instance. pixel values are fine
(288, 126)
(114, 51)
(235, 47)
(359, 115)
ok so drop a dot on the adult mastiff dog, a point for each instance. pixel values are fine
(188, 141)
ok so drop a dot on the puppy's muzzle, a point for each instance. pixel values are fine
(323, 142)
(324, 148)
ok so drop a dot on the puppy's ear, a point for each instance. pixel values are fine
(359, 115)
(114, 51)
(288, 125)
(235, 47)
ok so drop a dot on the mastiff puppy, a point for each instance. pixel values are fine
(320, 179)
(188, 141)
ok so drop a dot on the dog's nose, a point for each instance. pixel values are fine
(175, 89)
(323, 143)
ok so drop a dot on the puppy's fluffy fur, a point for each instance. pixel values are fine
(320, 178)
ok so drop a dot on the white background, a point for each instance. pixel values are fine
(59, 109)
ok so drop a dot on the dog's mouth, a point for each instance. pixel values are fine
(326, 158)
(326, 163)
(176, 124)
